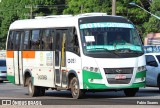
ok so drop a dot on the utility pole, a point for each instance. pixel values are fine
(31, 10)
(81, 9)
(113, 7)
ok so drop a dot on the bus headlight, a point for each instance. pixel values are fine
(92, 69)
(141, 68)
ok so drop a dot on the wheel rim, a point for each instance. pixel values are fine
(74, 88)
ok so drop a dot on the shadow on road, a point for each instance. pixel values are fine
(99, 95)
(88, 95)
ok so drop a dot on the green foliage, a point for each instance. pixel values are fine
(86, 6)
(153, 25)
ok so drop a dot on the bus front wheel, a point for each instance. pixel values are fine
(32, 90)
(131, 92)
(77, 93)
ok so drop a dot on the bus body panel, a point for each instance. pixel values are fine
(73, 63)
(41, 66)
(99, 80)
(10, 66)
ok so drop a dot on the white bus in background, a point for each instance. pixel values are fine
(76, 53)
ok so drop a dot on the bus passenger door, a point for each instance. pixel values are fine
(60, 59)
(18, 57)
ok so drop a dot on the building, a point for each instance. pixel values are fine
(152, 39)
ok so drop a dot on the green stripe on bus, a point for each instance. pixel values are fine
(138, 85)
(141, 74)
(92, 75)
(11, 79)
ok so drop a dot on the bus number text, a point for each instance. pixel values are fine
(42, 77)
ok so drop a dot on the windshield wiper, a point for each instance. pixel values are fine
(110, 51)
(126, 50)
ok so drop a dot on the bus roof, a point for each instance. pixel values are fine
(43, 23)
(52, 21)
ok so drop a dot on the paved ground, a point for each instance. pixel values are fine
(145, 95)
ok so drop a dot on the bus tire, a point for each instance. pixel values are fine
(32, 90)
(131, 92)
(77, 93)
(1, 81)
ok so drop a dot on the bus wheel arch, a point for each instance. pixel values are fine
(27, 75)
(73, 84)
(71, 74)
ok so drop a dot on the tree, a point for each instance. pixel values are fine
(133, 13)
(153, 25)
(86, 6)
(136, 15)
(11, 10)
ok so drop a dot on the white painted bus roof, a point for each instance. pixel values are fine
(69, 21)
(43, 23)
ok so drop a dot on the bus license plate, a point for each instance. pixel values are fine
(120, 77)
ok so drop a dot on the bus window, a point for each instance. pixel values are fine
(35, 40)
(47, 39)
(21, 40)
(26, 40)
(73, 44)
(10, 40)
(17, 40)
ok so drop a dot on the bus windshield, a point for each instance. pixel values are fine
(120, 39)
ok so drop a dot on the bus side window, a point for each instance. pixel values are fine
(73, 44)
(10, 41)
(17, 36)
(26, 40)
(47, 39)
(35, 40)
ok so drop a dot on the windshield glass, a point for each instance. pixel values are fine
(116, 38)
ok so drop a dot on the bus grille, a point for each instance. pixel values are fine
(111, 74)
(118, 70)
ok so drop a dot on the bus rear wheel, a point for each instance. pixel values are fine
(131, 92)
(77, 93)
(32, 90)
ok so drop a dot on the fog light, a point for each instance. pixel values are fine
(143, 79)
(91, 80)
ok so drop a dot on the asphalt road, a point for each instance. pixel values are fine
(148, 95)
